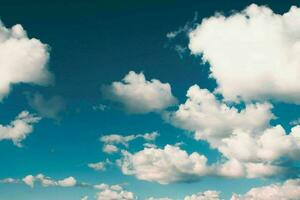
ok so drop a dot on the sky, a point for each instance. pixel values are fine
(149, 100)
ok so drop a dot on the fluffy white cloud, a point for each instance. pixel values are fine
(45, 181)
(114, 192)
(164, 166)
(138, 95)
(213, 120)
(162, 198)
(245, 138)
(172, 164)
(19, 128)
(22, 60)
(207, 195)
(110, 141)
(253, 54)
(289, 190)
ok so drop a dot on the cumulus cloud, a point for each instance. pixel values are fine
(22, 59)
(207, 195)
(110, 141)
(250, 145)
(113, 192)
(253, 54)
(47, 107)
(19, 128)
(289, 190)
(213, 120)
(45, 181)
(99, 166)
(139, 95)
(170, 164)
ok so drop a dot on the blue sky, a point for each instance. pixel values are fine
(186, 93)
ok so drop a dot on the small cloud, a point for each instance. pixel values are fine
(99, 166)
(138, 95)
(47, 107)
(100, 107)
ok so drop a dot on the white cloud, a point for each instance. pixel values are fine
(114, 192)
(99, 166)
(22, 60)
(19, 128)
(110, 141)
(50, 108)
(172, 164)
(289, 190)
(245, 138)
(45, 181)
(110, 149)
(164, 166)
(213, 120)
(138, 95)
(253, 54)
(162, 198)
(207, 195)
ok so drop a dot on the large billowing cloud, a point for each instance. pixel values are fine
(253, 54)
(172, 164)
(244, 137)
(22, 59)
(212, 119)
(289, 190)
(19, 128)
(139, 95)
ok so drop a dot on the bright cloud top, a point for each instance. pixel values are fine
(113, 192)
(19, 128)
(253, 54)
(22, 60)
(167, 165)
(244, 137)
(289, 190)
(139, 95)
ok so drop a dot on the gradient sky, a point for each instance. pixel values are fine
(91, 45)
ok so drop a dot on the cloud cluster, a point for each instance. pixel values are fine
(253, 54)
(289, 190)
(22, 59)
(139, 95)
(113, 192)
(45, 181)
(170, 164)
(110, 141)
(250, 145)
(19, 128)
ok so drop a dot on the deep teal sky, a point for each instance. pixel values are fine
(95, 43)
